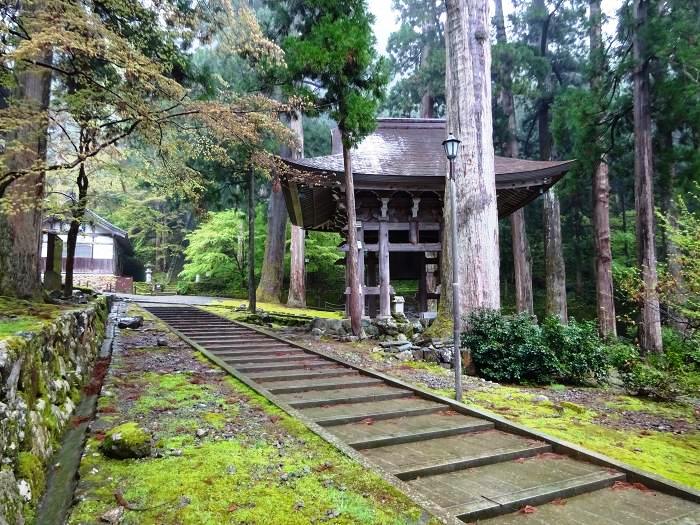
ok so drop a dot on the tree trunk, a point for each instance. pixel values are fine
(297, 277)
(522, 260)
(554, 261)
(468, 90)
(650, 316)
(78, 212)
(272, 272)
(252, 303)
(355, 304)
(605, 299)
(20, 222)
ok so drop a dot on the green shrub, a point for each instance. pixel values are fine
(509, 349)
(581, 354)
(659, 376)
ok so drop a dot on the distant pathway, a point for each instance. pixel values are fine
(193, 300)
(472, 466)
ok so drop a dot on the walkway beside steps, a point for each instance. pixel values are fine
(462, 463)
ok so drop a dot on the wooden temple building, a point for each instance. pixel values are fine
(399, 175)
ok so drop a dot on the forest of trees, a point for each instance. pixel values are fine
(158, 116)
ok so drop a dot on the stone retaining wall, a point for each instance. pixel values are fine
(41, 378)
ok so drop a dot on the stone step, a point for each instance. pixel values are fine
(235, 360)
(617, 505)
(498, 488)
(284, 387)
(235, 347)
(368, 434)
(287, 376)
(353, 412)
(413, 460)
(343, 395)
(306, 365)
(262, 351)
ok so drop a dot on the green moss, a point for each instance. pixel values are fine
(237, 481)
(441, 327)
(274, 308)
(127, 440)
(171, 391)
(670, 455)
(24, 316)
(31, 469)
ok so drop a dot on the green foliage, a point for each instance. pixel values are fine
(514, 349)
(417, 55)
(681, 283)
(580, 352)
(334, 46)
(217, 252)
(659, 376)
(509, 349)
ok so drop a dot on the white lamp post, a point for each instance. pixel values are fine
(451, 145)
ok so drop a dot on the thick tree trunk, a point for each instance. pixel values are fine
(252, 300)
(650, 316)
(78, 212)
(21, 213)
(522, 260)
(353, 273)
(297, 277)
(468, 90)
(605, 299)
(272, 272)
(554, 261)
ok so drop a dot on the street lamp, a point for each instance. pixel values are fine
(451, 145)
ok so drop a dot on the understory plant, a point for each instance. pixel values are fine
(659, 376)
(515, 349)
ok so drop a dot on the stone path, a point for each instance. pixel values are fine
(471, 466)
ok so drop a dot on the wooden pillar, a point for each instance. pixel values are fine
(422, 285)
(413, 231)
(361, 263)
(384, 278)
(372, 281)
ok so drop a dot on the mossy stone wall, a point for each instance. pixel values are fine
(41, 377)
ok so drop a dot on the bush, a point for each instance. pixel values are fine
(509, 349)
(581, 354)
(514, 349)
(659, 376)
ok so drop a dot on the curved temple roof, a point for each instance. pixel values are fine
(407, 154)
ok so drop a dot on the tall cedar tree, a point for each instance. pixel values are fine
(522, 260)
(21, 195)
(555, 273)
(650, 315)
(334, 51)
(468, 89)
(605, 300)
(417, 54)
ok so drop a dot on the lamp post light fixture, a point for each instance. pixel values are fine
(451, 146)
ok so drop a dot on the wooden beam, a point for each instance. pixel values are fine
(401, 246)
(403, 226)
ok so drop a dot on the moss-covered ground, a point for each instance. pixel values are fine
(659, 437)
(277, 308)
(224, 455)
(17, 315)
